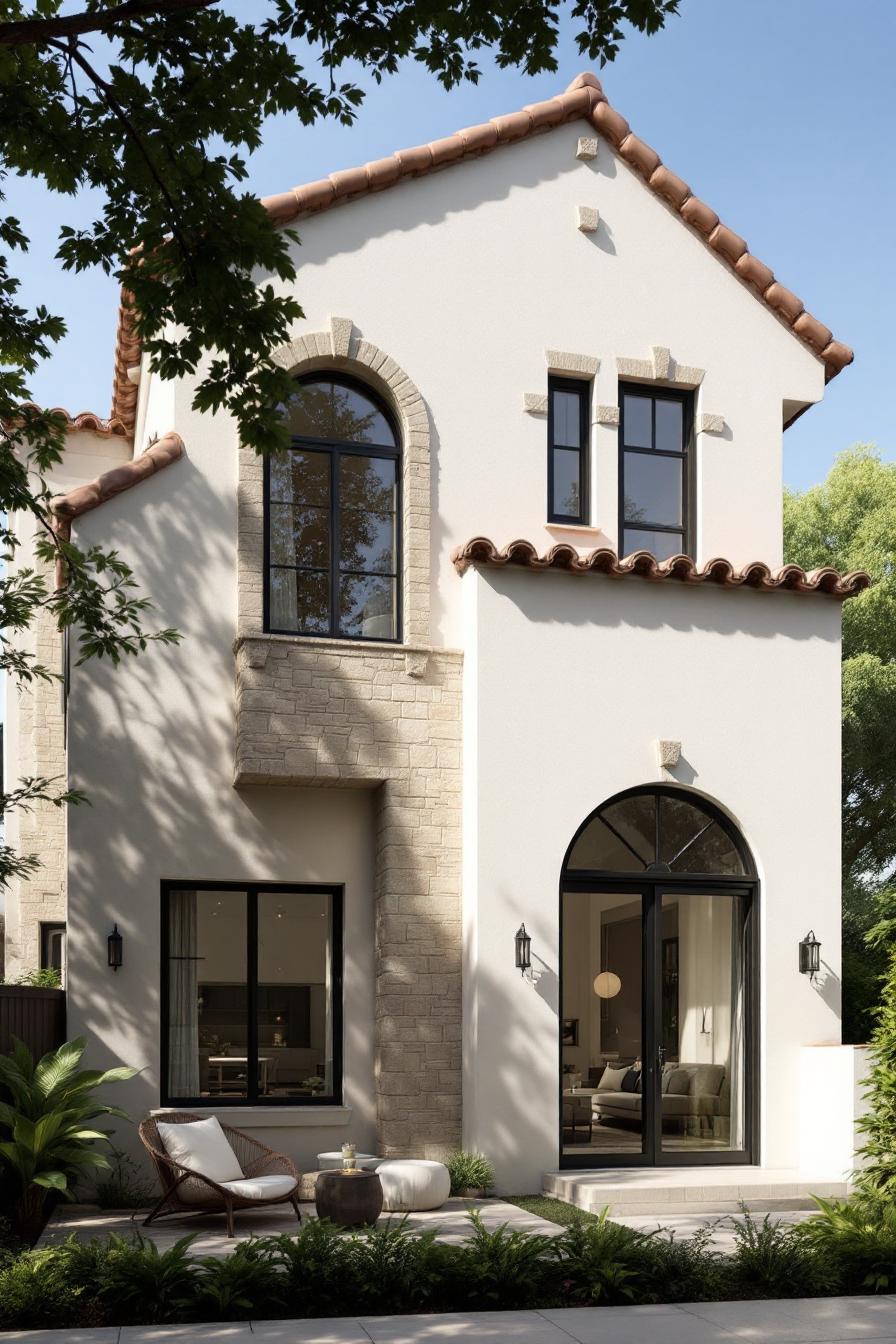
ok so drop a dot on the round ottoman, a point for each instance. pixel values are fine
(330, 1161)
(412, 1185)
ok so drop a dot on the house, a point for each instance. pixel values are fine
(493, 791)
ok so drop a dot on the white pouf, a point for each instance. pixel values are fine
(412, 1185)
(330, 1161)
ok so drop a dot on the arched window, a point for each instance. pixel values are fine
(332, 516)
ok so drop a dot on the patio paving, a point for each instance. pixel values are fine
(832, 1320)
(88, 1222)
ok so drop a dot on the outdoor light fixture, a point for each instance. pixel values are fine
(810, 955)
(523, 946)
(115, 943)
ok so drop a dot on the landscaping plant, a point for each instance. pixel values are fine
(317, 1268)
(499, 1270)
(857, 1237)
(126, 1186)
(470, 1171)
(47, 1132)
(772, 1260)
(601, 1262)
(877, 1175)
(230, 1287)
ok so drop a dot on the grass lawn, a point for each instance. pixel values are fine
(554, 1210)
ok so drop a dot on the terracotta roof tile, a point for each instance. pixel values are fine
(584, 98)
(85, 420)
(641, 564)
(115, 481)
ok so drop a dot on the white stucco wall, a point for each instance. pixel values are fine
(151, 743)
(574, 678)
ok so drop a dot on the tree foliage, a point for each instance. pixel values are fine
(849, 521)
(154, 104)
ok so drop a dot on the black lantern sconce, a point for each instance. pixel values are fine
(115, 944)
(810, 956)
(523, 946)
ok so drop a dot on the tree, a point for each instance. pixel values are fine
(153, 103)
(878, 1175)
(850, 522)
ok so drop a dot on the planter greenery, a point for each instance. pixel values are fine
(47, 1132)
(323, 1271)
(471, 1174)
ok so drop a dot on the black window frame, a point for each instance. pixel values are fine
(336, 893)
(688, 457)
(336, 449)
(47, 928)
(581, 388)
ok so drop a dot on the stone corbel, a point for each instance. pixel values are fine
(586, 149)
(587, 218)
(711, 424)
(535, 403)
(415, 664)
(606, 415)
(668, 754)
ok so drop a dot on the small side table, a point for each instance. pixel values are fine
(349, 1198)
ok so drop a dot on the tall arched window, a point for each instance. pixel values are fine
(332, 516)
(658, 986)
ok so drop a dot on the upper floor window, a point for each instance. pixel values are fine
(332, 516)
(568, 450)
(655, 508)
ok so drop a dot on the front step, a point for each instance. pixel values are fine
(628, 1191)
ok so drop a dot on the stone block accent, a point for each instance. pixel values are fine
(343, 348)
(587, 218)
(606, 415)
(587, 147)
(563, 361)
(383, 716)
(535, 403)
(661, 367)
(710, 424)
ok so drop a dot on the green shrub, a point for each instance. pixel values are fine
(497, 1270)
(317, 1268)
(45, 978)
(126, 1186)
(857, 1237)
(683, 1269)
(37, 1293)
(239, 1285)
(470, 1171)
(601, 1262)
(877, 1176)
(135, 1281)
(47, 1129)
(773, 1260)
(391, 1264)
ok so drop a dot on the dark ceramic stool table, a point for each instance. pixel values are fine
(349, 1198)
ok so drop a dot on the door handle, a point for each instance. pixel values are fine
(661, 1057)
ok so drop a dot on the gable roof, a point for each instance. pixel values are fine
(583, 100)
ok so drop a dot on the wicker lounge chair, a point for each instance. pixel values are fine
(187, 1191)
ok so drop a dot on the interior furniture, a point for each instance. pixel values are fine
(196, 1174)
(693, 1094)
(221, 1062)
(349, 1198)
(412, 1185)
(577, 1109)
(366, 1161)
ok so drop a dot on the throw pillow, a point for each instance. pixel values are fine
(679, 1083)
(611, 1079)
(632, 1081)
(202, 1146)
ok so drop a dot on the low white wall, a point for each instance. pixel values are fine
(833, 1079)
(573, 679)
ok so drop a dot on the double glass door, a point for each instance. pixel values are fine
(656, 1022)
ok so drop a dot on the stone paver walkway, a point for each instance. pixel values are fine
(835, 1320)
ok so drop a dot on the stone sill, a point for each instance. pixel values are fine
(343, 645)
(579, 529)
(269, 1117)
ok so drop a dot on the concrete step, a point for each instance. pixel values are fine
(627, 1191)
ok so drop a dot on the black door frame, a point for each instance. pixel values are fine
(651, 888)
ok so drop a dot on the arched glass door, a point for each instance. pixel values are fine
(658, 986)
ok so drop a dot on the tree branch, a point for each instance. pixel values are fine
(38, 31)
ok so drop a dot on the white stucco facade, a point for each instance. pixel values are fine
(468, 280)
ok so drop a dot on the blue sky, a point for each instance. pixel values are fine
(779, 113)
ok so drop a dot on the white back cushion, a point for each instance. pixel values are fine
(611, 1079)
(202, 1146)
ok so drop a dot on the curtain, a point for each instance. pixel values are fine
(736, 1043)
(183, 996)
(328, 1001)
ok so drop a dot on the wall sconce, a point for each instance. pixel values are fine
(810, 956)
(523, 948)
(115, 943)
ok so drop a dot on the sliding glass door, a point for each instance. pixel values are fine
(658, 990)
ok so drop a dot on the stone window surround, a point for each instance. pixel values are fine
(342, 349)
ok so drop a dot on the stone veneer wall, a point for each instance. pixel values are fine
(383, 716)
(337, 713)
(40, 752)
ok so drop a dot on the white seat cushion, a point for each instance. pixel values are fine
(411, 1185)
(249, 1187)
(202, 1146)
